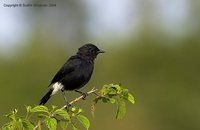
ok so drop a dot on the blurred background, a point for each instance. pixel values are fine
(152, 48)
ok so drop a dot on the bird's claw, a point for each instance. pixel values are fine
(67, 107)
(84, 95)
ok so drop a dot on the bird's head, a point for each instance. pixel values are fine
(89, 51)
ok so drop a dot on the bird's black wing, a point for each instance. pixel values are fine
(67, 68)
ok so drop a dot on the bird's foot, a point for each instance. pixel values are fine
(67, 107)
(84, 95)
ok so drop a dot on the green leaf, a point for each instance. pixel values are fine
(125, 92)
(105, 99)
(104, 90)
(63, 124)
(53, 107)
(74, 127)
(19, 125)
(41, 115)
(7, 126)
(62, 113)
(84, 121)
(116, 86)
(73, 109)
(11, 116)
(40, 108)
(27, 124)
(28, 108)
(80, 111)
(112, 100)
(131, 98)
(51, 123)
(14, 111)
(112, 91)
(121, 109)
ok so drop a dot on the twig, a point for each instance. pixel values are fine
(93, 90)
(38, 125)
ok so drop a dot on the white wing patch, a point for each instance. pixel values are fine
(56, 87)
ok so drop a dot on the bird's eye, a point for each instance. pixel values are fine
(92, 51)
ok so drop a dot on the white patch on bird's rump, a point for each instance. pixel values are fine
(57, 87)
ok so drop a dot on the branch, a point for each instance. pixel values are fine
(38, 125)
(93, 90)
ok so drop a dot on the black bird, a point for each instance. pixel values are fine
(75, 73)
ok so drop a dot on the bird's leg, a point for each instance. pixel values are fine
(82, 93)
(67, 103)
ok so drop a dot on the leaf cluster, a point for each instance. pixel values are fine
(114, 94)
(54, 117)
(49, 118)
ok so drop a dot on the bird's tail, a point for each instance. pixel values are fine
(46, 97)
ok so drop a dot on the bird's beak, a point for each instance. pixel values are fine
(100, 51)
